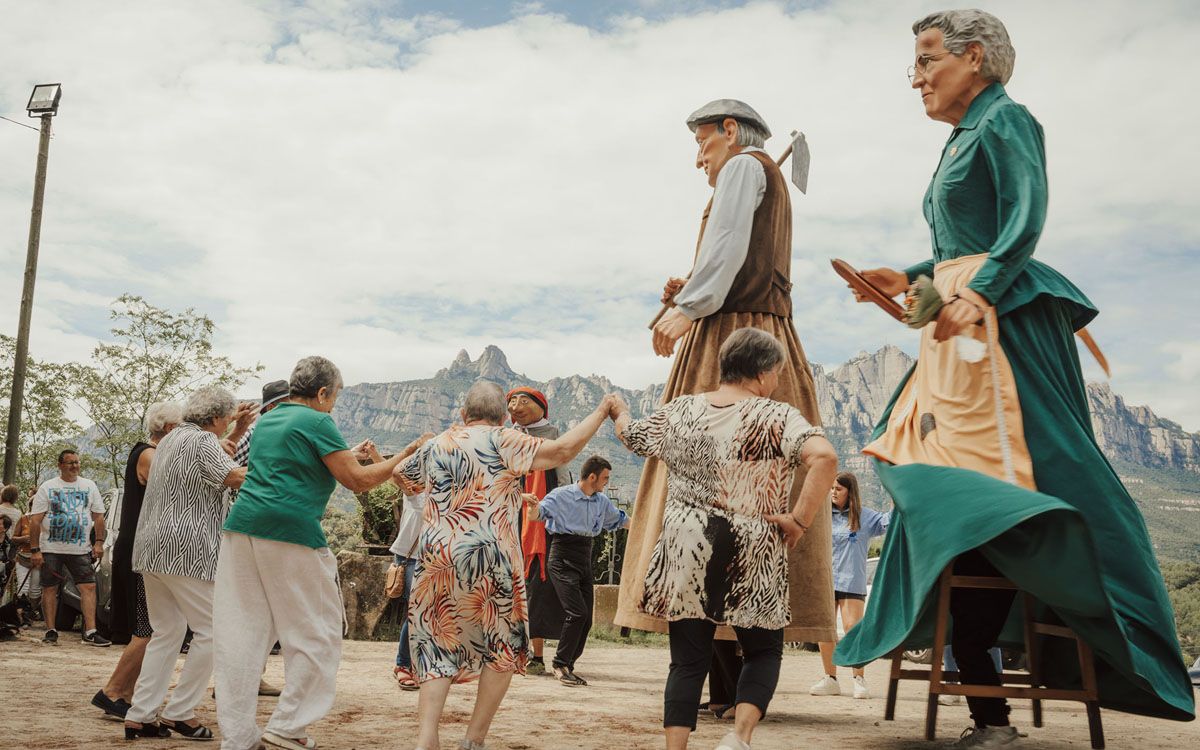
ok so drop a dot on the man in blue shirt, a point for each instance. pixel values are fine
(575, 514)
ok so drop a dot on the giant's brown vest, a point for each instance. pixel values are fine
(764, 283)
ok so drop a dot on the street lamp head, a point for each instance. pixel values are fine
(44, 100)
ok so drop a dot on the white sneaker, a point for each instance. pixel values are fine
(826, 686)
(987, 737)
(732, 742)
(949, 700)
(860, 687)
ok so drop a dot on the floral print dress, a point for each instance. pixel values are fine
(468, 599)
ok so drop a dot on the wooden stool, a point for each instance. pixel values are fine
(1015, 685)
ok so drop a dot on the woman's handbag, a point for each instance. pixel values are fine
(393, 585)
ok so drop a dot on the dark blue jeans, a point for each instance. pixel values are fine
(403, 658)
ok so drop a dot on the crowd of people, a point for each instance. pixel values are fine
(986, 450)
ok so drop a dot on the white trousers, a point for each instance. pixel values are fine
(264, 588)
(30, 581)
(175, 603)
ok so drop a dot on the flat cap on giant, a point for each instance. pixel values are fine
(718, 109)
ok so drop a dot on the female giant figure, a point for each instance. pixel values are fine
(994, 463)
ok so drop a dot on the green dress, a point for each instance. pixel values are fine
(1078, 544)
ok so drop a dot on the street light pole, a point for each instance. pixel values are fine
(17, 400)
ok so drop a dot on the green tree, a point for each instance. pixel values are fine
(155, 355)
(46, 427)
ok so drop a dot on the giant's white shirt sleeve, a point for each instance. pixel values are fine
(739, 191)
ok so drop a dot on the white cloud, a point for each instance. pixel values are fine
(387, 189)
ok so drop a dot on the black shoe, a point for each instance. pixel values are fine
(276, 649)
(112, 709)
(147, 730)
(50, 637)
(95, 639)
(568, 677)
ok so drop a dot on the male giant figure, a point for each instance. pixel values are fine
(741, 277)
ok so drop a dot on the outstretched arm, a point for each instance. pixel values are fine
(552, 453)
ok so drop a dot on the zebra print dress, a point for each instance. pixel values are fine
(717, 558)
(179, 531)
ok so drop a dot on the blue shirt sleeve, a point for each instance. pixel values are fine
(876, 523)
(613, 517)
(548, 505)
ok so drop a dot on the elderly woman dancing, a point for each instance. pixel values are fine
(990, 455)
(276, 574)
(467, 609)
(721, 559)
(178, 538)
(130, 619)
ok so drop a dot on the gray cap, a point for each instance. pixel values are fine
(718, 109)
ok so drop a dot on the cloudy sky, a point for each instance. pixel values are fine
(386, 183)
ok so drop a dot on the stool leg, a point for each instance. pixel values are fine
(889, 709)
(935, 658)
(1032, 657)
(1095, 727)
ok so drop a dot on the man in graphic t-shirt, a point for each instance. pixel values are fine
(64, 511)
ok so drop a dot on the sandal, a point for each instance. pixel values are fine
(149, 731)
(292, 743)
(569, 678)
(198, 732)
(406, 679)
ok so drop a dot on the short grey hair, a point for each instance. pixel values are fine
(208, 404)
(161, 414)
(485, 402)
(748, 353)
(748, 134)
(962, 27)
(311, 374)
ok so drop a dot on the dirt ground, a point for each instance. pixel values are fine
(45, 705)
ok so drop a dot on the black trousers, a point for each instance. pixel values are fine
(570, 569)
(723, 673)
(979, 616)
(691, 656)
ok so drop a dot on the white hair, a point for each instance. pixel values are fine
(161, 414)
(207, 404)
(963, 27)
(485, 402)
(748, 134)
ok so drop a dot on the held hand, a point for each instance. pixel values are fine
(228, 446)
(619, 407)
(36, 559)
(245, 415)
(360, 451)
(957, 317)
(670, 329)
(671, 288)
(789, 527)
(887, 280)
(529, 498)
(97, 550)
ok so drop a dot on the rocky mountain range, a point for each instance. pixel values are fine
(1159, 460)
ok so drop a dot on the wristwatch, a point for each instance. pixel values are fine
(35, 549)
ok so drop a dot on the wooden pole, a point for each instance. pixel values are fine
(17, 399)
(779, 162)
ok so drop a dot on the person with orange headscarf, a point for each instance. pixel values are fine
(528, 408)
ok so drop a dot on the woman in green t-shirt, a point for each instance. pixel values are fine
(276, 575)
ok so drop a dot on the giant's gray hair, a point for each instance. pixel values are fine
(161, 414)
(311, 374)
(962, 27)
(207, 404)
(748, 353)
(748, 134)
(485, 402)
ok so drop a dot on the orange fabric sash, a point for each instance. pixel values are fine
(533, 532)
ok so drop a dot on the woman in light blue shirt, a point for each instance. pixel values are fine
(853, 529)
